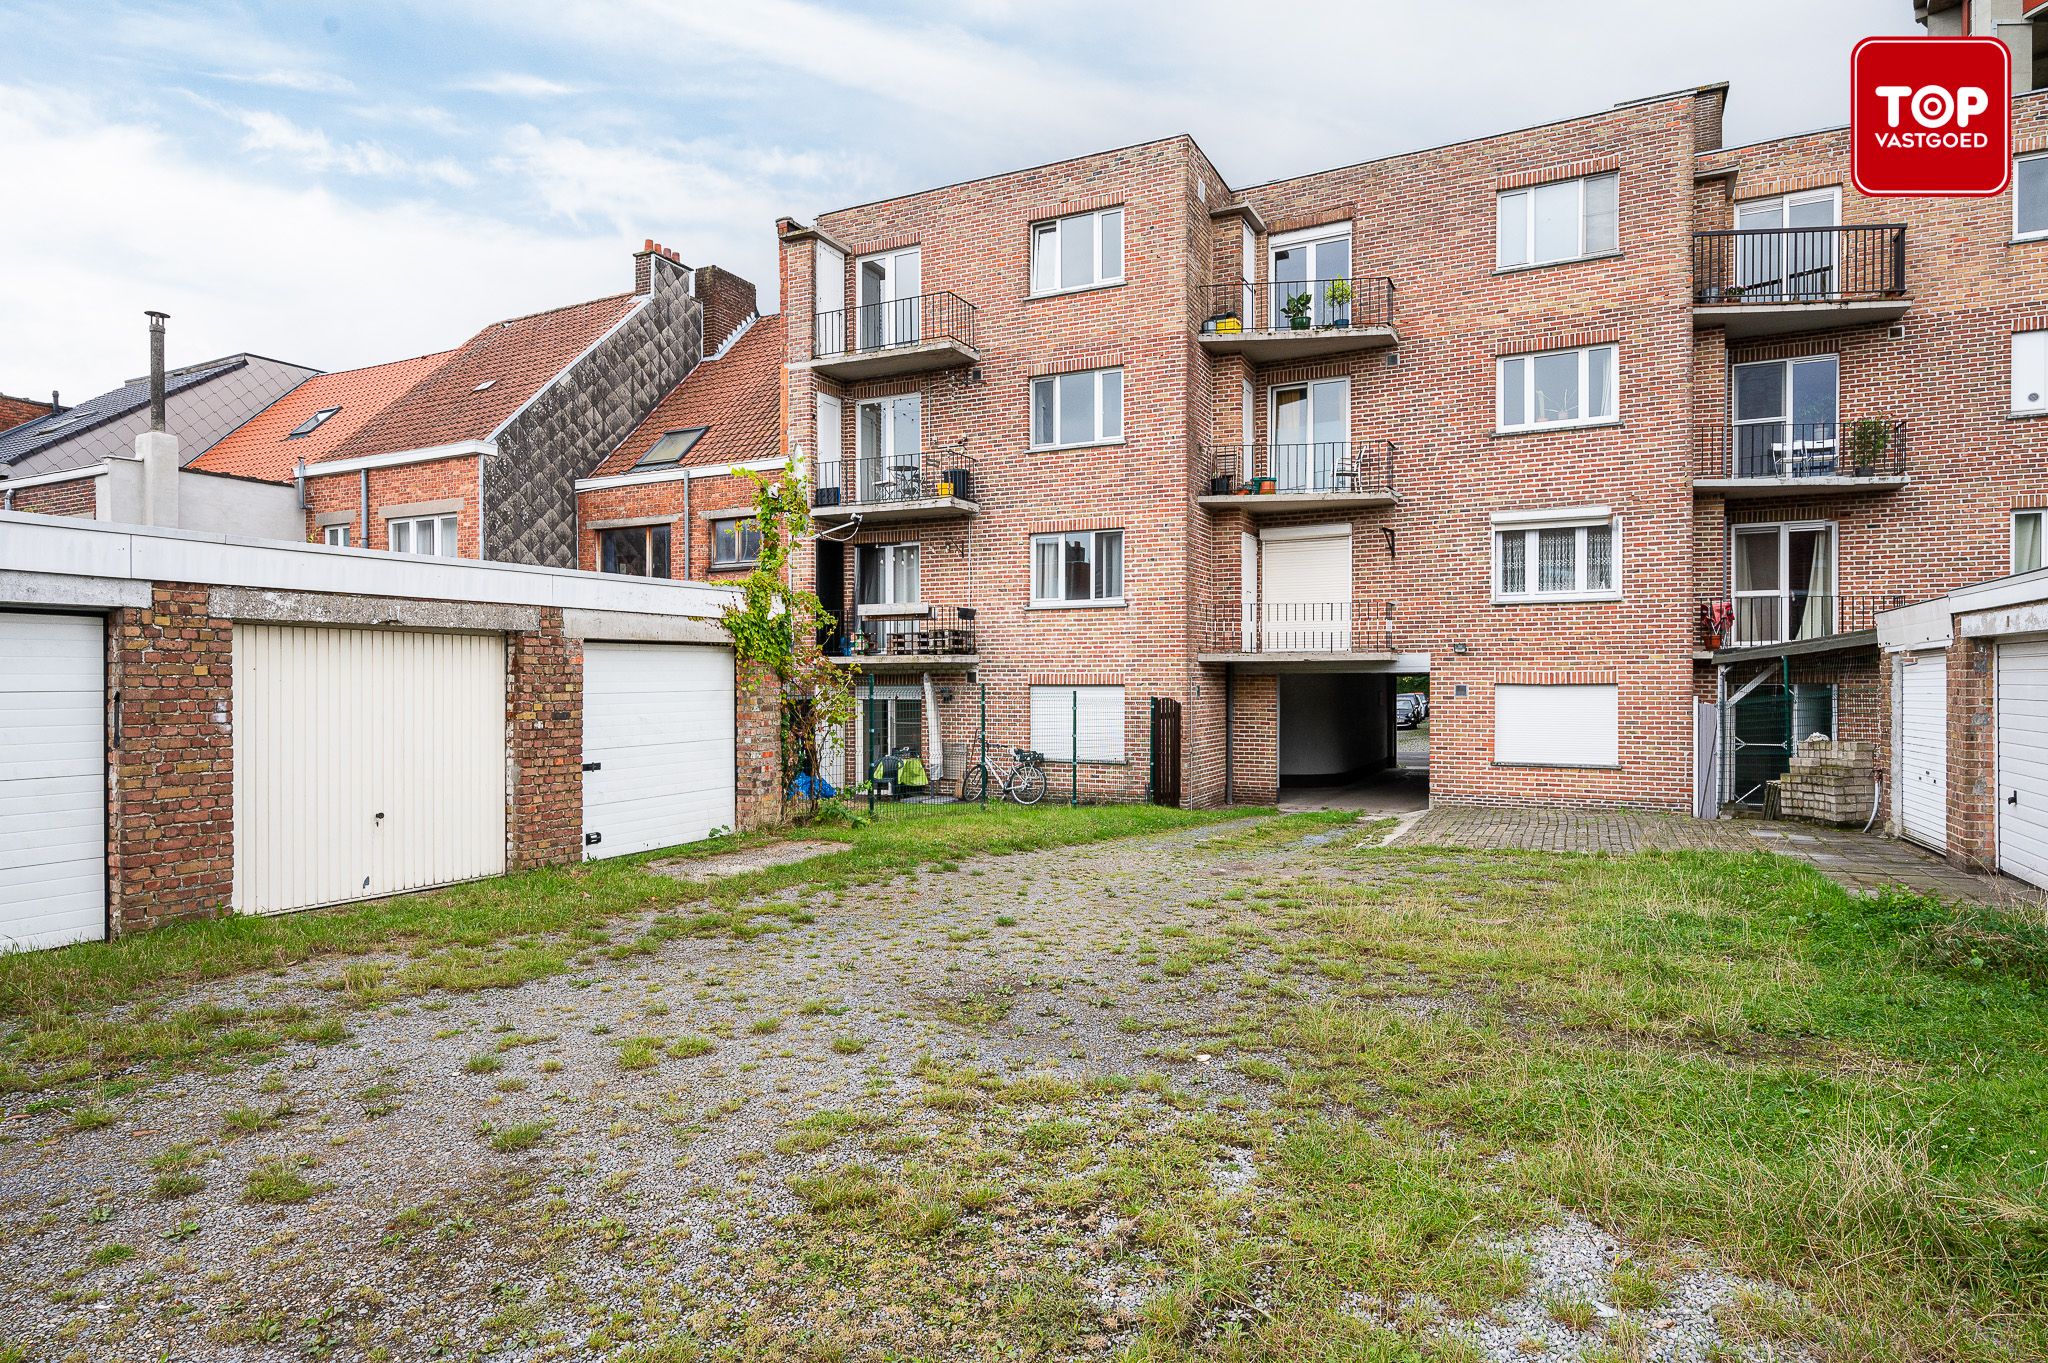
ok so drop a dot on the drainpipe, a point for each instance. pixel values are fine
(364, 475)
(689, 533)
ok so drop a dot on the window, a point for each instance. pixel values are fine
(335, 536)
(888, 444)
(1077, 409)
(311, 423)
(892, 722)
(1311, 435)
(1563, 220)
(1557, 388)
(1784, 578)
(1557, 726)
(735, 543)
(1779, 263)
(634, 550)
(1813, 710)
(1551, 559)
(885, 578)
(671, 447)
(2030, 196)
(2030, 371)
(1093, 715)
(2026, 540)
(1309, 262)
(1784, 415)
(1078, 566)
(890, 310)
(423, 535)
(486, 384)
(1078, 252)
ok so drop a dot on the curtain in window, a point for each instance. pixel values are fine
(2026, 543)
(1599, 558)
(1514, 576)
(1819, 616)
(1556, 560)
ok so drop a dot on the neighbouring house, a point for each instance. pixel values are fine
(15, 411)
(667, 502)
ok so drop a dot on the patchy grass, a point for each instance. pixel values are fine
(279, 1181)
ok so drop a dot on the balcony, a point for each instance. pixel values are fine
(1298, 635)
(916, 637)
(1790, 623)
(1265, 480)
(1805, 459)
(1769, 281)
(907, 336)
(1299, 319)
(921, 485)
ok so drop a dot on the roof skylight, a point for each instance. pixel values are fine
(311, 423)
(672, 446)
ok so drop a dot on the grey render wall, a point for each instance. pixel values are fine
(222, 505)
(529, 493)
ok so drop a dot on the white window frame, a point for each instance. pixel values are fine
(1528, 193)
(2038, 342)
(1784, 592)
(1094, 540)
(1048, 230)
(1528, 525)
(1058, 751)
(445, 526)
(1322, 311)
(2017, 234)
(1031, 413)
(896, 324)
(1340, 454)
(2040, 518)
(1529, 358)
(737, 525)
(335, 536)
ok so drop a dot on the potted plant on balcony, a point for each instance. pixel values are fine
(1868, 440)
(1338, 296)
(1717, 620)
(1297, 309)
(1264, 486)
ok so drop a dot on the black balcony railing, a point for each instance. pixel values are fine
(901, 322)
(877, 479)
(1300, 627)
(1871, 448)
(1333, 466)
(1752, 619)
(888, 632)
(1301, 305)
(1799, 264)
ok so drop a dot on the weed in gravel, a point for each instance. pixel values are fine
(279, 1181)
(512, 1139)
(484, 1062)
(640, 1053)
(242, 1121)
(170, 1187)
(848, 1045)
(689, 1047)
(107, 1255)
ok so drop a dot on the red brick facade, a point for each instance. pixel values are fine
(72, 497)
(14, 411)
(544, 732)
(435, 483)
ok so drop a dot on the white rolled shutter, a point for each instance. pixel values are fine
(1100, 719)
(1557, 726)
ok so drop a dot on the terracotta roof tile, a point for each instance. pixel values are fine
(263, 447)
(738, 396)
(516, 357)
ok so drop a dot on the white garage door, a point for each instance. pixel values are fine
(367, 762)
(657, 746)
(1306, 593)
(1923, 749)
(2023, 761)
(53, 784)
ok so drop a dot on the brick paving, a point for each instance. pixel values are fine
(1859, 861)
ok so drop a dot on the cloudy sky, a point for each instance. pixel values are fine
(339, 184)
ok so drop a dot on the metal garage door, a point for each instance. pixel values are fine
(367, 762)
(2023, 760)
(657, 746)
(53, 781)
(1923, 749)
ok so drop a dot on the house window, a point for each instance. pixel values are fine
(2030, 371)
(888, 449)
(634, 550)
(1556, 560)
(1306, 264)
(2030, 196)
(423, 535)
(2026, 540)
(1311, 435)
(311, 423)
(1784, 417)
(1077, 409)
(1077, 567)
(671, 447)
(1557, 388)
(335, 536)
(1557, 725)
(885, 584)
(1563, 220)
(1078, 252)
(735, 543)
(1784, 578)
(891, 722)
(1078, 723)
(1777, 261)
(891, 308)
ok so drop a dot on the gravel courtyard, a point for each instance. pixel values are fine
(1037, 1105)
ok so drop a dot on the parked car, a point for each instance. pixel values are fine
(1410, 709)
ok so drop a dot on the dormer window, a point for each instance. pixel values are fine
(311, 423)
(672, 446)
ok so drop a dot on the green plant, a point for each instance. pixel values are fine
(1337, 294)
(1868, 440)
(1297, 308)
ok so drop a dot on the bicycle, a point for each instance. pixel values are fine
(1024, 782)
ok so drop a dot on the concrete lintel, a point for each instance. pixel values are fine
(441, 507)
(63, 589)
(256, 605)
(1993, 624)
(631, 627)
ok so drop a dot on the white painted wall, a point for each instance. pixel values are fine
(211, 503)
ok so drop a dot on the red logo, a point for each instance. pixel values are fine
(1930, 117)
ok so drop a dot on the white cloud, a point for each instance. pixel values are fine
(517, 84)
(228, 44)
(127, 220)
(311, 149)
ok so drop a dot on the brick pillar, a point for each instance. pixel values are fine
(544, 722)
(757, 732)
(171, 830)
(1972, 756)
(1255, 740)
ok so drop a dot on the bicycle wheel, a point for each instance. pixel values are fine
(974, 782)
(1027, 785)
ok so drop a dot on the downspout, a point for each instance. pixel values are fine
(480, 506)
(364, 474)
(689, 531)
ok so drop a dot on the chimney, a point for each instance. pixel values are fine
(156, 368)
(155, 499)
(728, 302)
(644, 264)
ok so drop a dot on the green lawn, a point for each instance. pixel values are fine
(65, 1013)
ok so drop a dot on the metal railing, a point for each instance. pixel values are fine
(1300, 627)
(1301, 305)
(1752, 619)
(900, 322)
(1318, 466)
(1799, 264)
(939, 631)
(1871, 448)
(877, 479)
